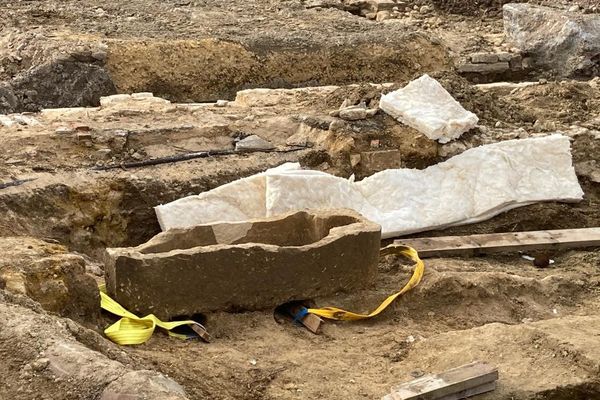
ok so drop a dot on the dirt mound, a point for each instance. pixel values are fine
(45, 86)
(40, 69)
(544, 350)
(566, 101)
(43, 359)
(50, 275)
(472, 7)
(492, 296)
(487, 106)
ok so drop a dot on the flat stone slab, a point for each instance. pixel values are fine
(245, 265)
(485, 68)
(476, 185)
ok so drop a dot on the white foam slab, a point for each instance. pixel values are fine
(470, 187)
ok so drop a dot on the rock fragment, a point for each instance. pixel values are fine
(253, 143)
(482, 68)
(382, 16)
(351, 112)
(380, 160)
(49, 275)
(6, 121)
(565, 42)
(484, 58)
(141, 385)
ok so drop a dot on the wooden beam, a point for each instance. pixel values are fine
(465, 394)
(473, 245)
(310, 321)
(201, 332)
(454, 384)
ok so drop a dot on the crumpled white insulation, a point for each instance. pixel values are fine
(470, 187)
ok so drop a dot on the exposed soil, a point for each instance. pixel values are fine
(62, 205)
(570, 102)
(363, 360)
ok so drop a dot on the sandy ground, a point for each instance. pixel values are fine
(539, 326)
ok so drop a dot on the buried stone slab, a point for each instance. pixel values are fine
(245, 265)
(144, 384)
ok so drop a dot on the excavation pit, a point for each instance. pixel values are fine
(538, 326)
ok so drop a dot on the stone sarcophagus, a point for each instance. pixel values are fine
(245, 265)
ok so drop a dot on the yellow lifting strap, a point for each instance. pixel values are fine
(343, 315)
(131, 329)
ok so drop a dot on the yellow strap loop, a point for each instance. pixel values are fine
(131, 329)
(343, 315)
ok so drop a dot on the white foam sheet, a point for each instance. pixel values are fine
(470, 187)
(425, 105)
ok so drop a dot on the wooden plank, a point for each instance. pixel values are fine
(465, 394)
(201, 332)
(454, 384)
(472, 245)
(310, 321)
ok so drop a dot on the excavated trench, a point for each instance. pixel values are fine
(485, 300)
(104, 209)
(455, 295)
(88, 211)
(205, 70)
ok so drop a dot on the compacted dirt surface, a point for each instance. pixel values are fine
(70, 187)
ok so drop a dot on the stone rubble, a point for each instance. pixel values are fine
(567, 42)
(489, 66)
(252, 143)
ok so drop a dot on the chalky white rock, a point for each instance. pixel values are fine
(426, 106)
(473, 186)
